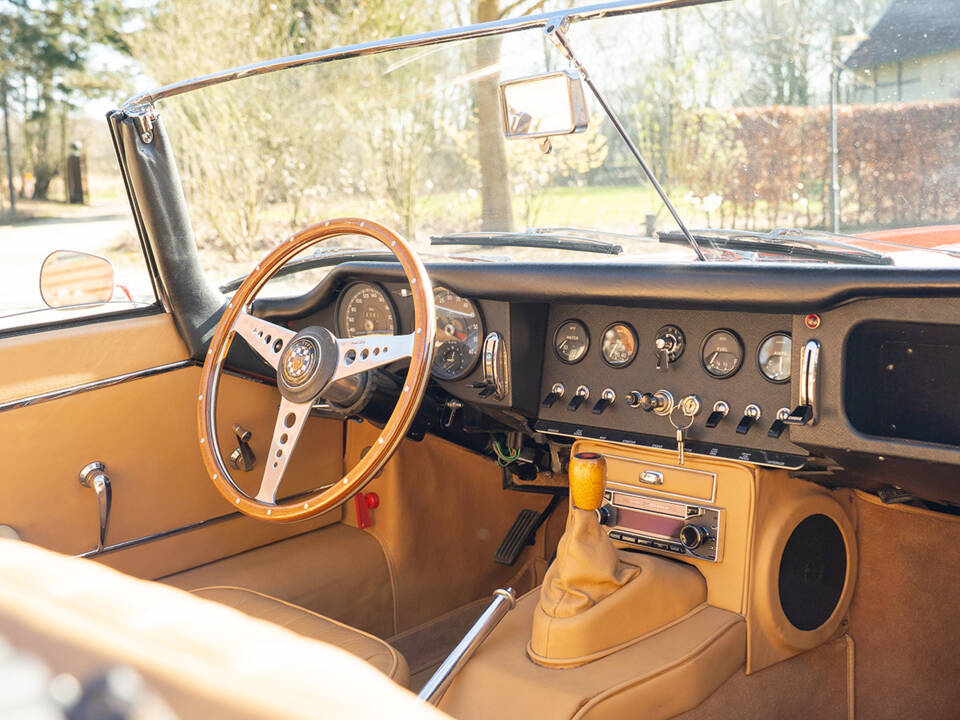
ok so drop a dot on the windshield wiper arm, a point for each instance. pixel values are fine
(792, 243)
(570, 240)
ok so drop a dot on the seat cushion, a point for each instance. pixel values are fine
(312, 625)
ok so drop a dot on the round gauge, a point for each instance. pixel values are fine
(619, 345)
(457, 341)
(775, 356)
(365, 309)
(571, 342)
(722, 353)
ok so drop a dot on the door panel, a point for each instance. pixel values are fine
(41, 362)
(145, 431)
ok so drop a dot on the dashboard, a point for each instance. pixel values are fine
(626, 353)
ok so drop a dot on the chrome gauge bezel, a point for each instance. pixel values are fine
(586, 334)
(395, 318)
(636, 344)
(471, 366)
(777, 333)
(736, 337)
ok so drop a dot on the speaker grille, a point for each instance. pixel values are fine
(812, 572)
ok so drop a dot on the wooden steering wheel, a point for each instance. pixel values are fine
(307, 362)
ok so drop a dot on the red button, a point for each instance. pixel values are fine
(812, 321)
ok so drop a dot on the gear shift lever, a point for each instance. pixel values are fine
(588, 476)
(592, 600)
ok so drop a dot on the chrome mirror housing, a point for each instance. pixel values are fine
(70, 279)
(543, 105)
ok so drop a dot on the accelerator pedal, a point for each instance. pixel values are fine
(522, 533)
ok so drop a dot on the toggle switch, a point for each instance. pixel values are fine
(776, 430)
(606, 400)
(720, 411)
(632, 399)
(801, 415)
(583, 392)
(556, 392)
(750, 415)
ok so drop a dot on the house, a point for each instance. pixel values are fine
(912, 53)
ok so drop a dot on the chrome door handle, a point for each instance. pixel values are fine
(94, 476)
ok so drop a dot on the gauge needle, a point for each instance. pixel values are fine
(452, 311)
(460, 336)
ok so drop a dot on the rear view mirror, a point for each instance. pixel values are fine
(68, 279)
(543, 105)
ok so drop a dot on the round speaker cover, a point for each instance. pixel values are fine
(812, 572)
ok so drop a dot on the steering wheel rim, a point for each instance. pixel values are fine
(303, 364)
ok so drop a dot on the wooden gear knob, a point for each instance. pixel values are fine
(588, 476)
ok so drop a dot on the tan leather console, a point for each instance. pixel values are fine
(654, 629)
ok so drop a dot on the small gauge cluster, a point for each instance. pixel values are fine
(365, 308)
(722, 351)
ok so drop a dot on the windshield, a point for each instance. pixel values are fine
(765, 119)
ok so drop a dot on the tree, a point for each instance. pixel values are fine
(45, 59)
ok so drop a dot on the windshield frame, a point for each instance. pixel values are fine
(142, 106)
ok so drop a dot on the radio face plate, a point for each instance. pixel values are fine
(656, 523)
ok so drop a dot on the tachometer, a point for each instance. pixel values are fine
(775, 357)
(722, 353)
(619, 345)
(365, 309)
(459, 331)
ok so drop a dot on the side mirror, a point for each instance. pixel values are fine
(69, 279)
(543, 105)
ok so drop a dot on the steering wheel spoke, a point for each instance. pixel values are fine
(265, 338)
(359, 354)
(290, 421)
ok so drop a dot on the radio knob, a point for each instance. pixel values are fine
(693, 536)
(607, 515)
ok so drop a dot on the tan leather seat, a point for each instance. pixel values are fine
(372, 649)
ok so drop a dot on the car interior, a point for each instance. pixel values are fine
(537, 490)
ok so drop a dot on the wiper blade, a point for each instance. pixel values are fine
(794, 243)
(553, 239)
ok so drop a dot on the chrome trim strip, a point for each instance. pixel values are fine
(126, 544)
(95, 385)
(140, 105)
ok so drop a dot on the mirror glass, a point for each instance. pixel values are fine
(543, 105)
(68, 279)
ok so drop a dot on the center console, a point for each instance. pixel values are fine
(776, 556)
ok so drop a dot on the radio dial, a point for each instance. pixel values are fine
(693, 536)
(607, 515)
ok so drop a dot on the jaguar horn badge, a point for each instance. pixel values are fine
(301, 359)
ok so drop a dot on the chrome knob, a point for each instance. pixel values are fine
(693, 536)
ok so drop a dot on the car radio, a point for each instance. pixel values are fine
(675, 527)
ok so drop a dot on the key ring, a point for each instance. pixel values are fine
(690, 418)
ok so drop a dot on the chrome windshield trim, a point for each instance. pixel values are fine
(95, 385)
(139, 105)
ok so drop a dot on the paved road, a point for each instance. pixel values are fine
(23, 247)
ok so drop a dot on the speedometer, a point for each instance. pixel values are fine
(365, 309)
(457, 340)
